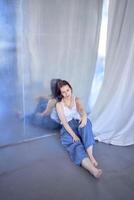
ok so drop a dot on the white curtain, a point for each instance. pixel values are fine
(58, 39)
(113, 113)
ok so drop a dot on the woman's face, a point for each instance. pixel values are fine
(66, 91)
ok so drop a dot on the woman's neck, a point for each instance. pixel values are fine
(68, 101)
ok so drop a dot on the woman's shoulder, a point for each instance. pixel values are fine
(77, 99)
(59, 104)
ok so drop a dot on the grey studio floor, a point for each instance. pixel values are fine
(41, 170)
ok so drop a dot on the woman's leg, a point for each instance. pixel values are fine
(90, 154)
(75, 150)
(86, 135)
(87, 164)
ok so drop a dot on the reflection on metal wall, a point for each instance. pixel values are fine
(9, 98)
(41, 40)
(8, 63)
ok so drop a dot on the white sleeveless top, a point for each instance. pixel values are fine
(71, 113)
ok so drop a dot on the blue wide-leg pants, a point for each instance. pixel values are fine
(77, 150)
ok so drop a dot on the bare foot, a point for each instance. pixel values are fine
(97, 173)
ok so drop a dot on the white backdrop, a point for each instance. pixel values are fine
(58, 39)
(113, 113)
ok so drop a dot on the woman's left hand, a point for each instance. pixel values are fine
(83, 122)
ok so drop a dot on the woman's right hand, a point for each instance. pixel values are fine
(75, 138)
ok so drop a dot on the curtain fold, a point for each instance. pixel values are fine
(113, 113)
(59, 39)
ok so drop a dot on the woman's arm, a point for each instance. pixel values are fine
(82, 112)
(51, 104)
(65, 123)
